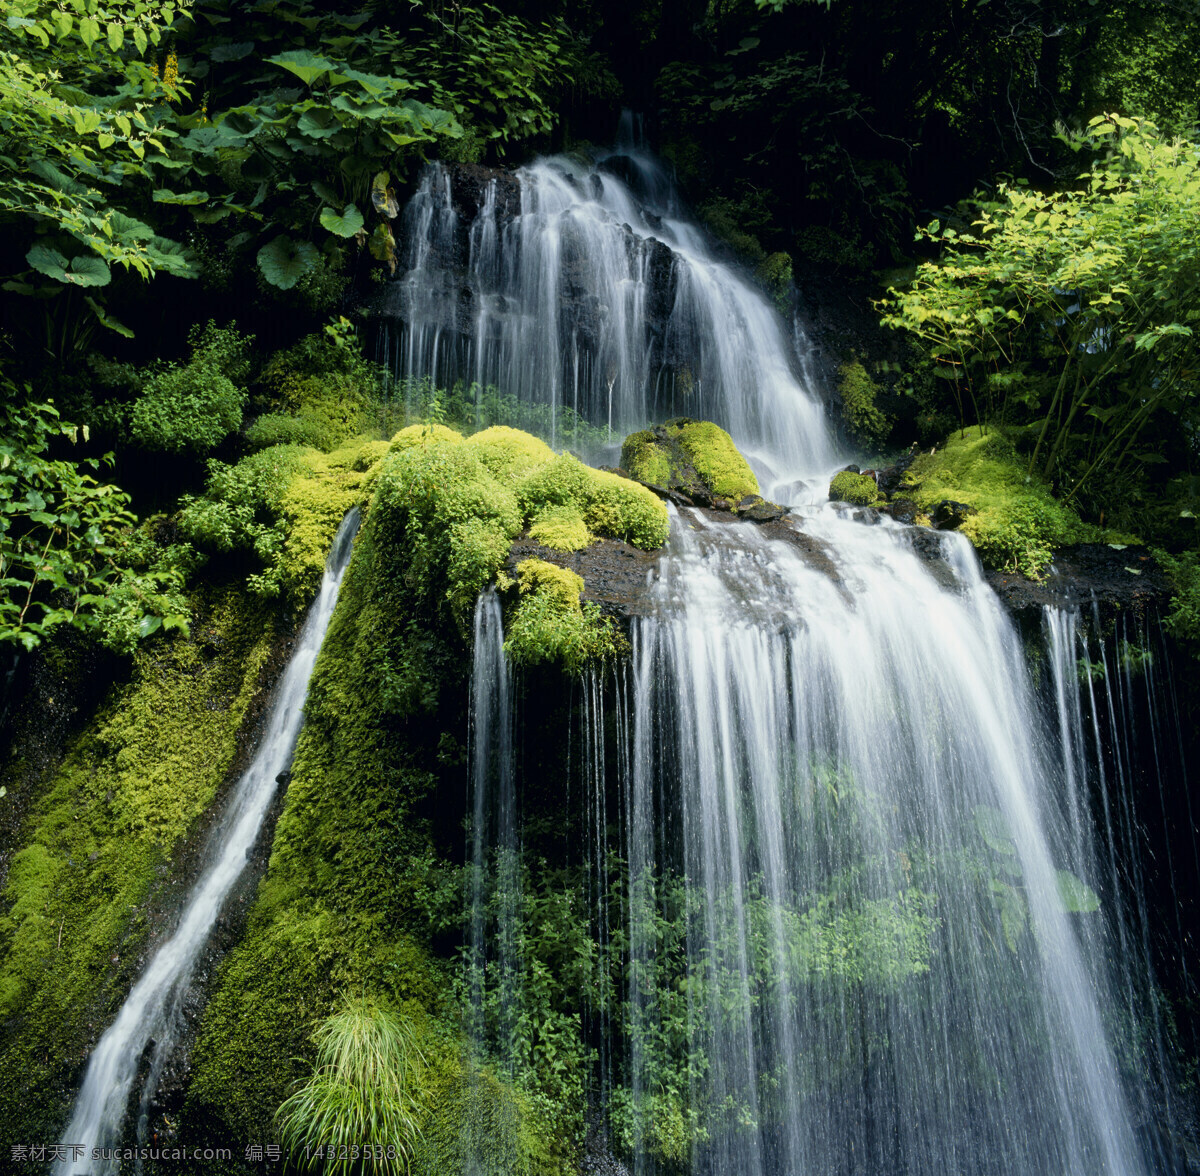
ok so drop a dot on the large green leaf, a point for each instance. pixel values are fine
(80, 271)
(284, 262)
(1075, 895)
(346, 225)
(166, 196)
(319, 122)
(992, 826)
(305, 65)
(106, 319)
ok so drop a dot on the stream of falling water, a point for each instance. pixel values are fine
(835, 773)
(151, 1015)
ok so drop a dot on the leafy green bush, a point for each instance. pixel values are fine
(281, 428)
(1183, 616)
(193, 407)
(282, 506)
(550, 625)
(1017, 522)
(65, 544)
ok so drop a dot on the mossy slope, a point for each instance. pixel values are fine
(132, 785)
(346, 904)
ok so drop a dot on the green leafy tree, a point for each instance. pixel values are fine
(85, 120)
(1074, 309)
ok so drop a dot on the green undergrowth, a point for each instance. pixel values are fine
(1183, 614)
(866, 423)
(549, 624)
(1016, 522)
(345, 906)
(99, 833)
(279, 508)
(682, 453)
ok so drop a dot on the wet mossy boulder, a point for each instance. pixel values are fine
(854, 488)
(977, 483)
(694, 458)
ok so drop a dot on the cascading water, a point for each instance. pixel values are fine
(883, 972)
(595, 295)
(859, 930)
(150, 1015)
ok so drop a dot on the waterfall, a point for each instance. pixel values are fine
(866, 926)
(151, 1015)
(595, 294)
(1119, 729)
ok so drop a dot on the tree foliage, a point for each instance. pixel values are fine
(1074, 309)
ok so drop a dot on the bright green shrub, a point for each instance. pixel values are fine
(362, 1092)
(283, 505)
(1017, 521)
(561, 528)
(193, 407)
(281, 428)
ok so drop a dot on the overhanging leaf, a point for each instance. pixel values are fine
(284, 262)
(106, 319)
(345, 225)
(165, 196)
(306, 66)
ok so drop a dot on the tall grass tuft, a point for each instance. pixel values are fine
(357, 1112)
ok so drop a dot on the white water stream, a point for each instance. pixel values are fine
(150, 1014)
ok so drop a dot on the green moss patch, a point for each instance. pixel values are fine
(1017, 522)
(351, 895)
(865, 422)
(856, 489)
(549, 624)
(132, 785)
(697, 458)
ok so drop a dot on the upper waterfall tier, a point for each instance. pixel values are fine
(581, 285)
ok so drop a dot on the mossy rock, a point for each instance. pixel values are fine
(856, 489)
(696, 458)
(1008, 513)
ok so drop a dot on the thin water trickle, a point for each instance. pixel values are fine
(151, 1015)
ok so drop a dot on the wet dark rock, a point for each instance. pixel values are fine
(903, 510)
(1115, 579)
(889, 478)
(948, 515)
(468, 189)
(763, 512)
(616, 575)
